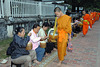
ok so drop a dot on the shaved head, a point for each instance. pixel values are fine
(57, 9)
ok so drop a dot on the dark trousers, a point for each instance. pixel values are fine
(49, 47)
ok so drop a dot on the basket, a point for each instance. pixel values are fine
(51, 37)
(80, 24)
(29, 46)
(43, 44)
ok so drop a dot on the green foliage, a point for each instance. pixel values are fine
(96, 9)
(3, 43)
(87, 4)
(69, 7)
(3, 47)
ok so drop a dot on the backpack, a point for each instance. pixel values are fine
(11, 48)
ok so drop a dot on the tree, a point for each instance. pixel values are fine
(83, 3)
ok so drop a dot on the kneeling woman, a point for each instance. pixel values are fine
(20, 55)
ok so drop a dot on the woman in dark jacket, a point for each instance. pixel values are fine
(20, 55)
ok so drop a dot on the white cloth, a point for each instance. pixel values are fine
(51, 33)
(42, 34)
(76, 21)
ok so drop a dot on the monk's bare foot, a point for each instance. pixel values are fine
(35, 61)
(59, 64)
(83, 36)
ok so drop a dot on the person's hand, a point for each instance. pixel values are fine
(29, 34)
(44, 38)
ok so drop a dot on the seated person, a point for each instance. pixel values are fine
(42, 33)
(76, 21)
(36, 43)
(75, 26)
(20, 55)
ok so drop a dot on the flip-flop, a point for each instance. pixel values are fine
(4, 61)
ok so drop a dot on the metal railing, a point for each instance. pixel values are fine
(47, 9)
(62, 7)
(24, 9)
(27, 8)
(1, 9)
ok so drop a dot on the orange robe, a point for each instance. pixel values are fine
(91, 18)
(86, 23)
(97, 16)
(64, 27)
(93, 21)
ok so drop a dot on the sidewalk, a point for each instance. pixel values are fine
(86, 52)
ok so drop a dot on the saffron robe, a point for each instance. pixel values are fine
(86, 21)
(97, 16)
(63, 29)
(91, 20)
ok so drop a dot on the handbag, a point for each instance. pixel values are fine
(10, 49)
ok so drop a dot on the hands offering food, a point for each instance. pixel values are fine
(29, 34)
(44, 38)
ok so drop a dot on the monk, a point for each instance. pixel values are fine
(93, 20)
(64, 32)
(97, 15)
(86, 21)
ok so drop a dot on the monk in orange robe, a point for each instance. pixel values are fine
(97, 15)
(64, 33)
(93, 21)
(86, 21)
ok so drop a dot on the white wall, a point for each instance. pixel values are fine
(10, 30)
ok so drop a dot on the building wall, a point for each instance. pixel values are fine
(7, 30)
